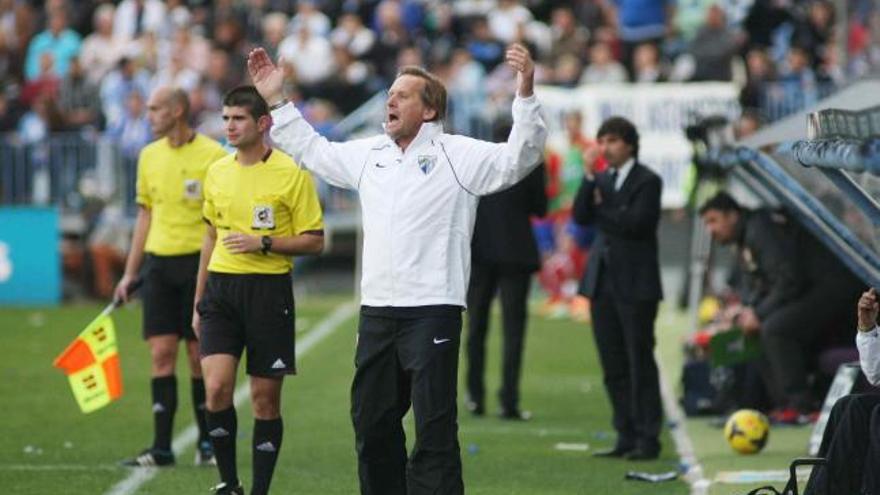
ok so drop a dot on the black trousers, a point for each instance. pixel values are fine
(851, 444)
(513, 284)
(789, 337)
(624, 335)
(407, 357)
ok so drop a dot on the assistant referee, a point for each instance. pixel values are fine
(167, 237)
(264, 209)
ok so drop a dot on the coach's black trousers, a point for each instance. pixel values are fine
(513, 285)
(851, 444)
(624, 335)
(407, 357)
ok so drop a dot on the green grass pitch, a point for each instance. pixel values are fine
(48, 446)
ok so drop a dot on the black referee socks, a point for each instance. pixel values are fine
(266, 443)
(164, 390)
(222, 428)
(198, 402)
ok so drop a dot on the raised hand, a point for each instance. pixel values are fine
(868, 309)
(518, 57)
(266, 76)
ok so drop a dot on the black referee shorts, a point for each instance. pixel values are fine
(253, 311)
(168, 292)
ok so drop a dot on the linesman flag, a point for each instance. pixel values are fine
(91, 363)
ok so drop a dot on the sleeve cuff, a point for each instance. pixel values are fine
(874, 332)
(284, 114)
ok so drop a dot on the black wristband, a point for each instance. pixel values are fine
(276, 106)
(266, 241)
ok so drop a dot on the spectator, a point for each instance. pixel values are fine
(642, 21)
(483, 46)
(309, 55)
(506, 18)
(131, 131)
(135, 17)
(11, 111)
(61, 42)
(713, 48)
(798, 298)
(815, 33)
(308, 16)
(646, 64)
(567, 71)
(79, 101)
(351, 34)
(569, 38)
(798, 71)
(192, 47)
(274, 31)
(466, 92)
(391, 38)
(603, 68)
(118, 84)
(101, 51)
(760, 71)
(176, 73)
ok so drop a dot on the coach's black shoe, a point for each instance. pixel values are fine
(617, 452)
(205, 454)
(643, 454)
(224, 489)
(475, 408)
(151, 458)
(514, 415)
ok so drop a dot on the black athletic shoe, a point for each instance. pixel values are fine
(151, 458)
(224, 489)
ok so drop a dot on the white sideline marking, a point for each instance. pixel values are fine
(187, 438)
(683, 445)
(57, 467)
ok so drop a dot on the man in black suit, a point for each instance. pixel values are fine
(503, 257)
(622, 281)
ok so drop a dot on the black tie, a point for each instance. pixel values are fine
(613, 174)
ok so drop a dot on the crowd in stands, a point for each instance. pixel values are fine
(74, 64)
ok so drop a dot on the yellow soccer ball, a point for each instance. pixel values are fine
(747, 431)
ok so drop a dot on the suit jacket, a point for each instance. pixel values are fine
(503, 232)
(624, 253)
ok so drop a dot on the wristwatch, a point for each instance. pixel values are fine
(266, 241)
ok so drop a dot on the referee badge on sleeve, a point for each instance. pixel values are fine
(192, 189)
(264, 217)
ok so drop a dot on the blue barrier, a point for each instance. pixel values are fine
(30, 261)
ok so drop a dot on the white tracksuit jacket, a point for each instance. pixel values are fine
(418, 206)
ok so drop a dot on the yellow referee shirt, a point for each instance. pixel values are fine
(169, 183)
(274, 197)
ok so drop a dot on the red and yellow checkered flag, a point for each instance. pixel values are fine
(91, 363)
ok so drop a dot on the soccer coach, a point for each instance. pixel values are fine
(418, 188)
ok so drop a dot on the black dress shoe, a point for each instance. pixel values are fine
(642, 454)
(618, 451)
(514, 415)
(476, 409)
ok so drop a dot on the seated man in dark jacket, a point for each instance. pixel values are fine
(798, 290)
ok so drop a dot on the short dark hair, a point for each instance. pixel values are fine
(722, 202)
(433, 93)
(249, 98)
(622, 128)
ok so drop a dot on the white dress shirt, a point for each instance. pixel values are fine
(623, 172)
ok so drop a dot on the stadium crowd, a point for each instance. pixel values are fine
(75, 64)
